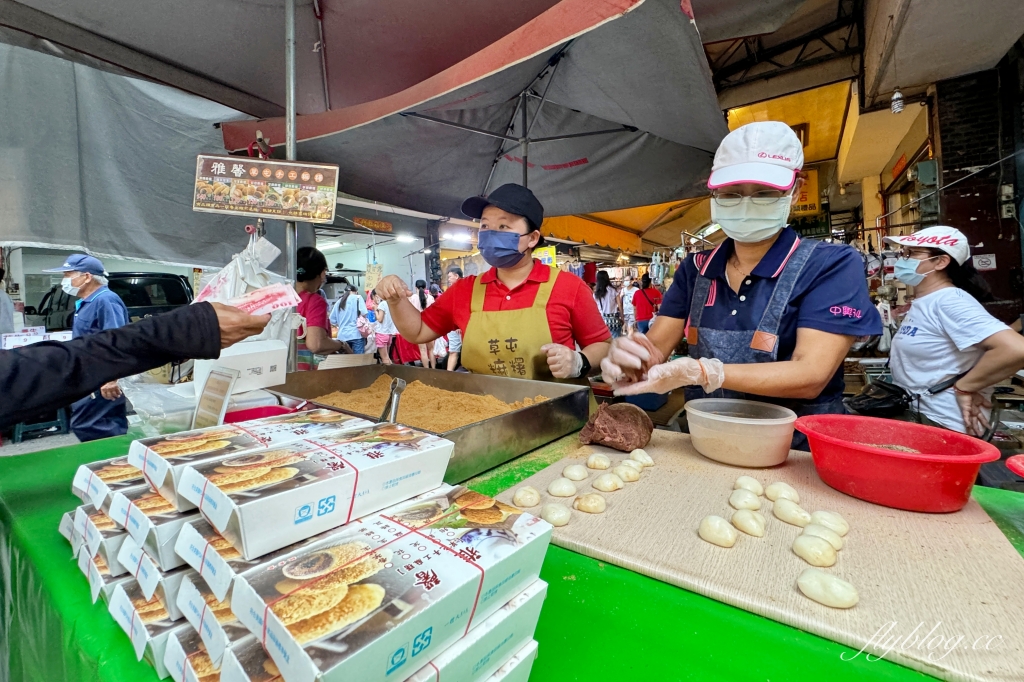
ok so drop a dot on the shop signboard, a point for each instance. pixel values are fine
(374, 273)
(280, 190)
(375, 225)
(807, 201)
(546, 255)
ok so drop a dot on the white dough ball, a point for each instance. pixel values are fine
(824, 533)
(750, 522)
(814, 550)
(742, 498)
(598, 461)
(527, 496)
(575, 472)
(561, 487)
(827, 589)
(555, 514)
(591, 503)
(832, 521)
(781, 490)
(749, 483)
(627, 474)
(632, 463)
(640, 455)
(789, 511)
(717, 531)
(607, 483)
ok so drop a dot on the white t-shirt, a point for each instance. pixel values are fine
(388, 325)
(937, 340)
(609, 304)
(627, 300)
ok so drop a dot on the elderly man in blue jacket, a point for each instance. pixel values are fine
(104, 413)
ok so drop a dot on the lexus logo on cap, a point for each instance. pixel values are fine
(780, 157)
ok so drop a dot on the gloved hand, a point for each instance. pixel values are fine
(629, 358)
(975, 407)
(708, 373)
(564, 362)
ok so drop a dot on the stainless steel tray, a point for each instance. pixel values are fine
(480, 446)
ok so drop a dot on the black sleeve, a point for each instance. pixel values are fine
(49, 375)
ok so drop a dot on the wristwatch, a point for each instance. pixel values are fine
(585, 369)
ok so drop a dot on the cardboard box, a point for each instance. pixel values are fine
(163, 458)
(100, 534)
(412, 582)
(141, 566)
(218, 562)
(314, 485)
(154, 523)
(217, 626)
(186, 659)
(517, 668)
(474, 658)
(101, 583)
(146, 621)
(259, 364)
(94, 482)
(67, 525)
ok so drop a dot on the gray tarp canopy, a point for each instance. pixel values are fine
(620, 112)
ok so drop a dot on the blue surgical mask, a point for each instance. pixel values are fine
(905, 270)
(500, 249)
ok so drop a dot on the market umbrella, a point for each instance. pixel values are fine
(614, 99)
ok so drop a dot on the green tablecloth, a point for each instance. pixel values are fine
(50, 630)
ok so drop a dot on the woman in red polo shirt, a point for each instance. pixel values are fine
(646, 301)
(519, 319)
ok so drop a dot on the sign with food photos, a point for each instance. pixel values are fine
(280, 190)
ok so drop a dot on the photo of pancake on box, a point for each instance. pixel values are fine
(161, 459)
(381, 597)
(264, 500)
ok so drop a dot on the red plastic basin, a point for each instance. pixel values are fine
(256, 413)
(1016, 464)
(938, 478)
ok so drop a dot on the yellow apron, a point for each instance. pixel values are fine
(507, 342)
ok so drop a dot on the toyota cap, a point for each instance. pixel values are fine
(942, 237)
(768, 153)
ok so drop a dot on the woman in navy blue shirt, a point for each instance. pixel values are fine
(767, 315)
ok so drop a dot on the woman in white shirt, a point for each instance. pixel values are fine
(947, 332)
(607, 298)
(421, 300)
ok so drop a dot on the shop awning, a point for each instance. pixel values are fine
(620, 111)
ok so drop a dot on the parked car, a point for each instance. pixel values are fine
(144, 293)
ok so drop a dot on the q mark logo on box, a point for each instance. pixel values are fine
(303, 513)
(397, 659)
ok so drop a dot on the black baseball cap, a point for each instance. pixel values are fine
(511, 198)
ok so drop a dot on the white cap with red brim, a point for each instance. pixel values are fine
(942, 237)
(766, 153)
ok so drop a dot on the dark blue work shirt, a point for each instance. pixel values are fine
(101, 310)
(831, 295)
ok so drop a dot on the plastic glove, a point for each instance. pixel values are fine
(564, 362)
(975, 409)
(708, 373)
(629, 358)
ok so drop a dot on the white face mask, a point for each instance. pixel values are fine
(65, 284)
(749, 222)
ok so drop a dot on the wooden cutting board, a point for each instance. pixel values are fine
(953, 581)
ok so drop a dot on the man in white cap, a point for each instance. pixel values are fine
(767, 315)
(948, 338)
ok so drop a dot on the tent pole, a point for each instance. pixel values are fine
(525, 140)
(289, 128)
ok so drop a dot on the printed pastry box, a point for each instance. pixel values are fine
(393, 590)
(154, 523)
(517, 668)
(163, 458)
(474, 658)
(218, 562)
(101, 583)
(146, 621)
(101, 535)
(93, 483)
(217, 626)
(490, 644)
(186, 658)
(67, 526)
(264, 501)
(141, 566)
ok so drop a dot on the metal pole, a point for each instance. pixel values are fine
(525, 140)
(289, 133)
